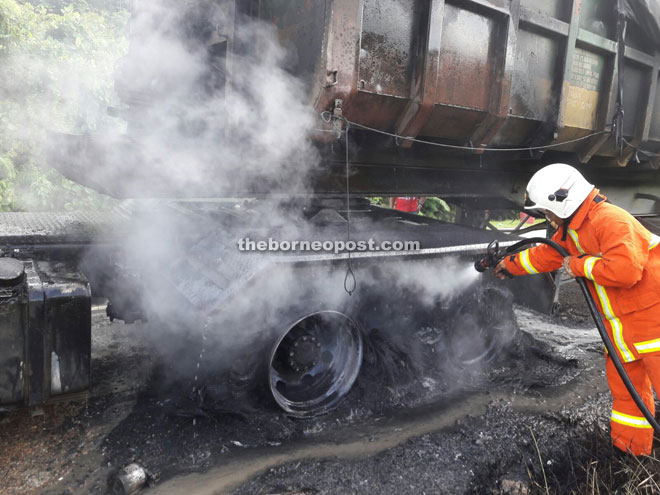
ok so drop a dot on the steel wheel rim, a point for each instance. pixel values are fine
(315, 363)
(483, 341)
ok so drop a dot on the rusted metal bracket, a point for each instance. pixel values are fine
(569, 55)
(337, 121)
(498, 110)
(331, 78)
(426, 75)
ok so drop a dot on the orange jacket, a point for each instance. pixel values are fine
(609, 247)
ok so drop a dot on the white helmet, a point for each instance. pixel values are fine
(559, 188)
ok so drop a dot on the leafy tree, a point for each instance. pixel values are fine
(57, 61)
(439, 209)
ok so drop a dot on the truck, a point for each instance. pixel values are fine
(462, 100)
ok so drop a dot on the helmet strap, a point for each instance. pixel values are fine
(564, 226)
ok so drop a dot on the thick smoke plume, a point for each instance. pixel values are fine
(211, 111)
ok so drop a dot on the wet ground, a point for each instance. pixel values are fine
(470, 431)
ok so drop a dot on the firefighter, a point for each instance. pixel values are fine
(409, 204)
(621, 261)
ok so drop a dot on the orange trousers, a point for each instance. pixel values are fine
(631, 432)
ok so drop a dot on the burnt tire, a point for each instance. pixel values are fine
(483, 328)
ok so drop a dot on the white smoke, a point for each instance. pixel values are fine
(200, 124)
(435, 282)
(211, 110)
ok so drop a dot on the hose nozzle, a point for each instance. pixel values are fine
(481, 265)
(491, 259)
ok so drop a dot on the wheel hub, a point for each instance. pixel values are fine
(305, 353)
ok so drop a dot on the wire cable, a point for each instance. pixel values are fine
(649, 154)
(350, 276)
(327, 117)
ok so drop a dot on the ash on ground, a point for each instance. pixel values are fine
(412, 430)
(478, 455)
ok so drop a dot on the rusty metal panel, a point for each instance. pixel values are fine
(635, 87)
(301, 26)
(477, 72)
(655, 117)
(516, 130)
(452, 122)
(501, 4)
(584, 89)
(635, 39)
(387, 46)
(374, 110)
(466, 59)
(426, 76)
(535, 91)
(599, 17)
(556, 9)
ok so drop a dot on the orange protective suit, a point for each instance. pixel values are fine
(618, 257)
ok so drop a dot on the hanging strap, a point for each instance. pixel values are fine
(617, 120)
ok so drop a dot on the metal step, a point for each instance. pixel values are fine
(74, 227)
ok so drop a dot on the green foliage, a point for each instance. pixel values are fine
(439, 209)
(379, 201)
(58, 61)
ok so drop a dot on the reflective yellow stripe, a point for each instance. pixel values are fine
(617, 327)
(655, 240)
(648, 346)
(628, 420)
(589, 267)
(527, 265)
(574, 236)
